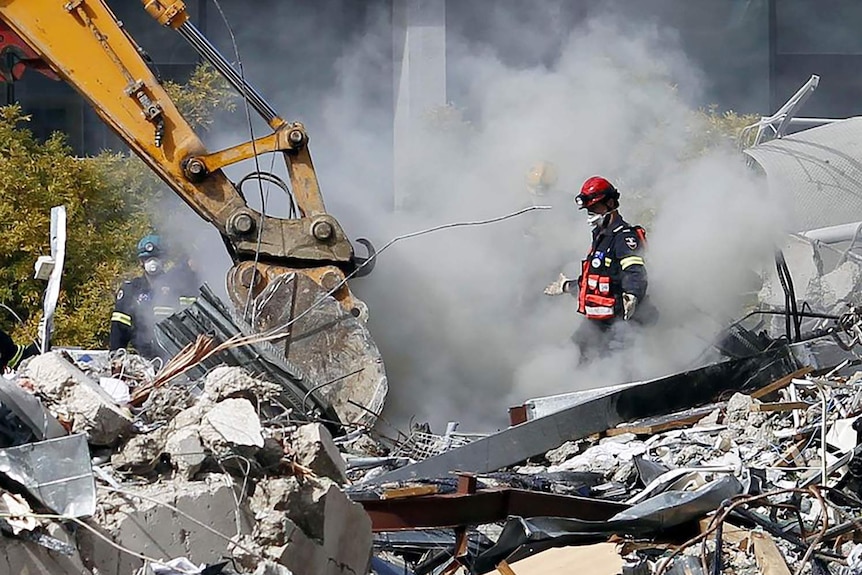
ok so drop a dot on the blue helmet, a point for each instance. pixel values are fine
(150, 246)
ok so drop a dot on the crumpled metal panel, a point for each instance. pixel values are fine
(208, 315)
(817, 172)
(57, 472)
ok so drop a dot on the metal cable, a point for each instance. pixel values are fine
(250, 96)
(175, 368)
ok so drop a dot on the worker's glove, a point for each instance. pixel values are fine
(558, 287)
(630, 302)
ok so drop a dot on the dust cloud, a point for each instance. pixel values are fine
(459, 315)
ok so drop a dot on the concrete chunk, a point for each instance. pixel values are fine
(77, 398)
(347, 536)
(145, 526)
(141, 453)
(226, 382)
(315, 449)
(186, 451)
(236, 421)
(302, 502)
(23, 557)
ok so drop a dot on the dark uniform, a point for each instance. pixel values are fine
(614, 266)
(145, 301)
(12, 354)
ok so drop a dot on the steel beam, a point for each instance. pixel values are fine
(485, 506)
(651, 398)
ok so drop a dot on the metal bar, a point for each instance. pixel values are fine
(211, 54)
(485, 506)
(656, 397)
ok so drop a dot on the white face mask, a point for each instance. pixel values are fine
(594, 219)
(153, 266)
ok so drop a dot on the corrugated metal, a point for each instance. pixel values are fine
(818, 172)
(208, 315)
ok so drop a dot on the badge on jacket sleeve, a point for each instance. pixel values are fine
(631, 243)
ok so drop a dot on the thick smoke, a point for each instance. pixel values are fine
(459, 315)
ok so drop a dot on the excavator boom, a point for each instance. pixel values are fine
(83, 43)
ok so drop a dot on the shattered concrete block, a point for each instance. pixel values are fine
(840, 285)
(231, 382)
(186, 451)
(739, 415)
(141, 453)
(315, 450)
(90, 408)
(346, 544)
(298, 552)
(236, 422)
(804, 263)
(19, 557)
(303, 502)
(189, 417)
(347, 536)
(148, 527)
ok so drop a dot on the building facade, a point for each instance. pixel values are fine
(753, 53)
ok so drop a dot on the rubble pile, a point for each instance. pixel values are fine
(211, 476)
(763, 481)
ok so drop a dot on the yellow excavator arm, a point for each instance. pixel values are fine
(84, 43)
(284, 266)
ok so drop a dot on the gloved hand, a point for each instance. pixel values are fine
(557, 287)
(630, 302)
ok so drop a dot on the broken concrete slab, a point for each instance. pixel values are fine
(314, 449)
(72, 395)
(236, 422)
(324, 514)
(298, 552)
(186, 451)
(141, 453)
(347, 535)
(19, 557)
(337, 539)
(147, 526)
(302, 502)
(231, 382)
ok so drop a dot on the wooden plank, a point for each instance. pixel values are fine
(768, 556)
(665, 422)
(780, 406)
(504, 568)
(730, 534)
(598, 559)
(414, 491)
(781, 383)
(793, 456)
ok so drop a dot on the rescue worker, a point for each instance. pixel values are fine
(613, 281)
(540, 180)
(12, 354)
(149, 298)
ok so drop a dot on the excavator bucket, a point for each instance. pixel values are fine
(330, 346)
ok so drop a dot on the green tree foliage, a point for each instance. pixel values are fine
(110, 201)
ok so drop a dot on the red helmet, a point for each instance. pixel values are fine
(595, 190)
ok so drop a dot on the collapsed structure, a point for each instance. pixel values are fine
(107, 467)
